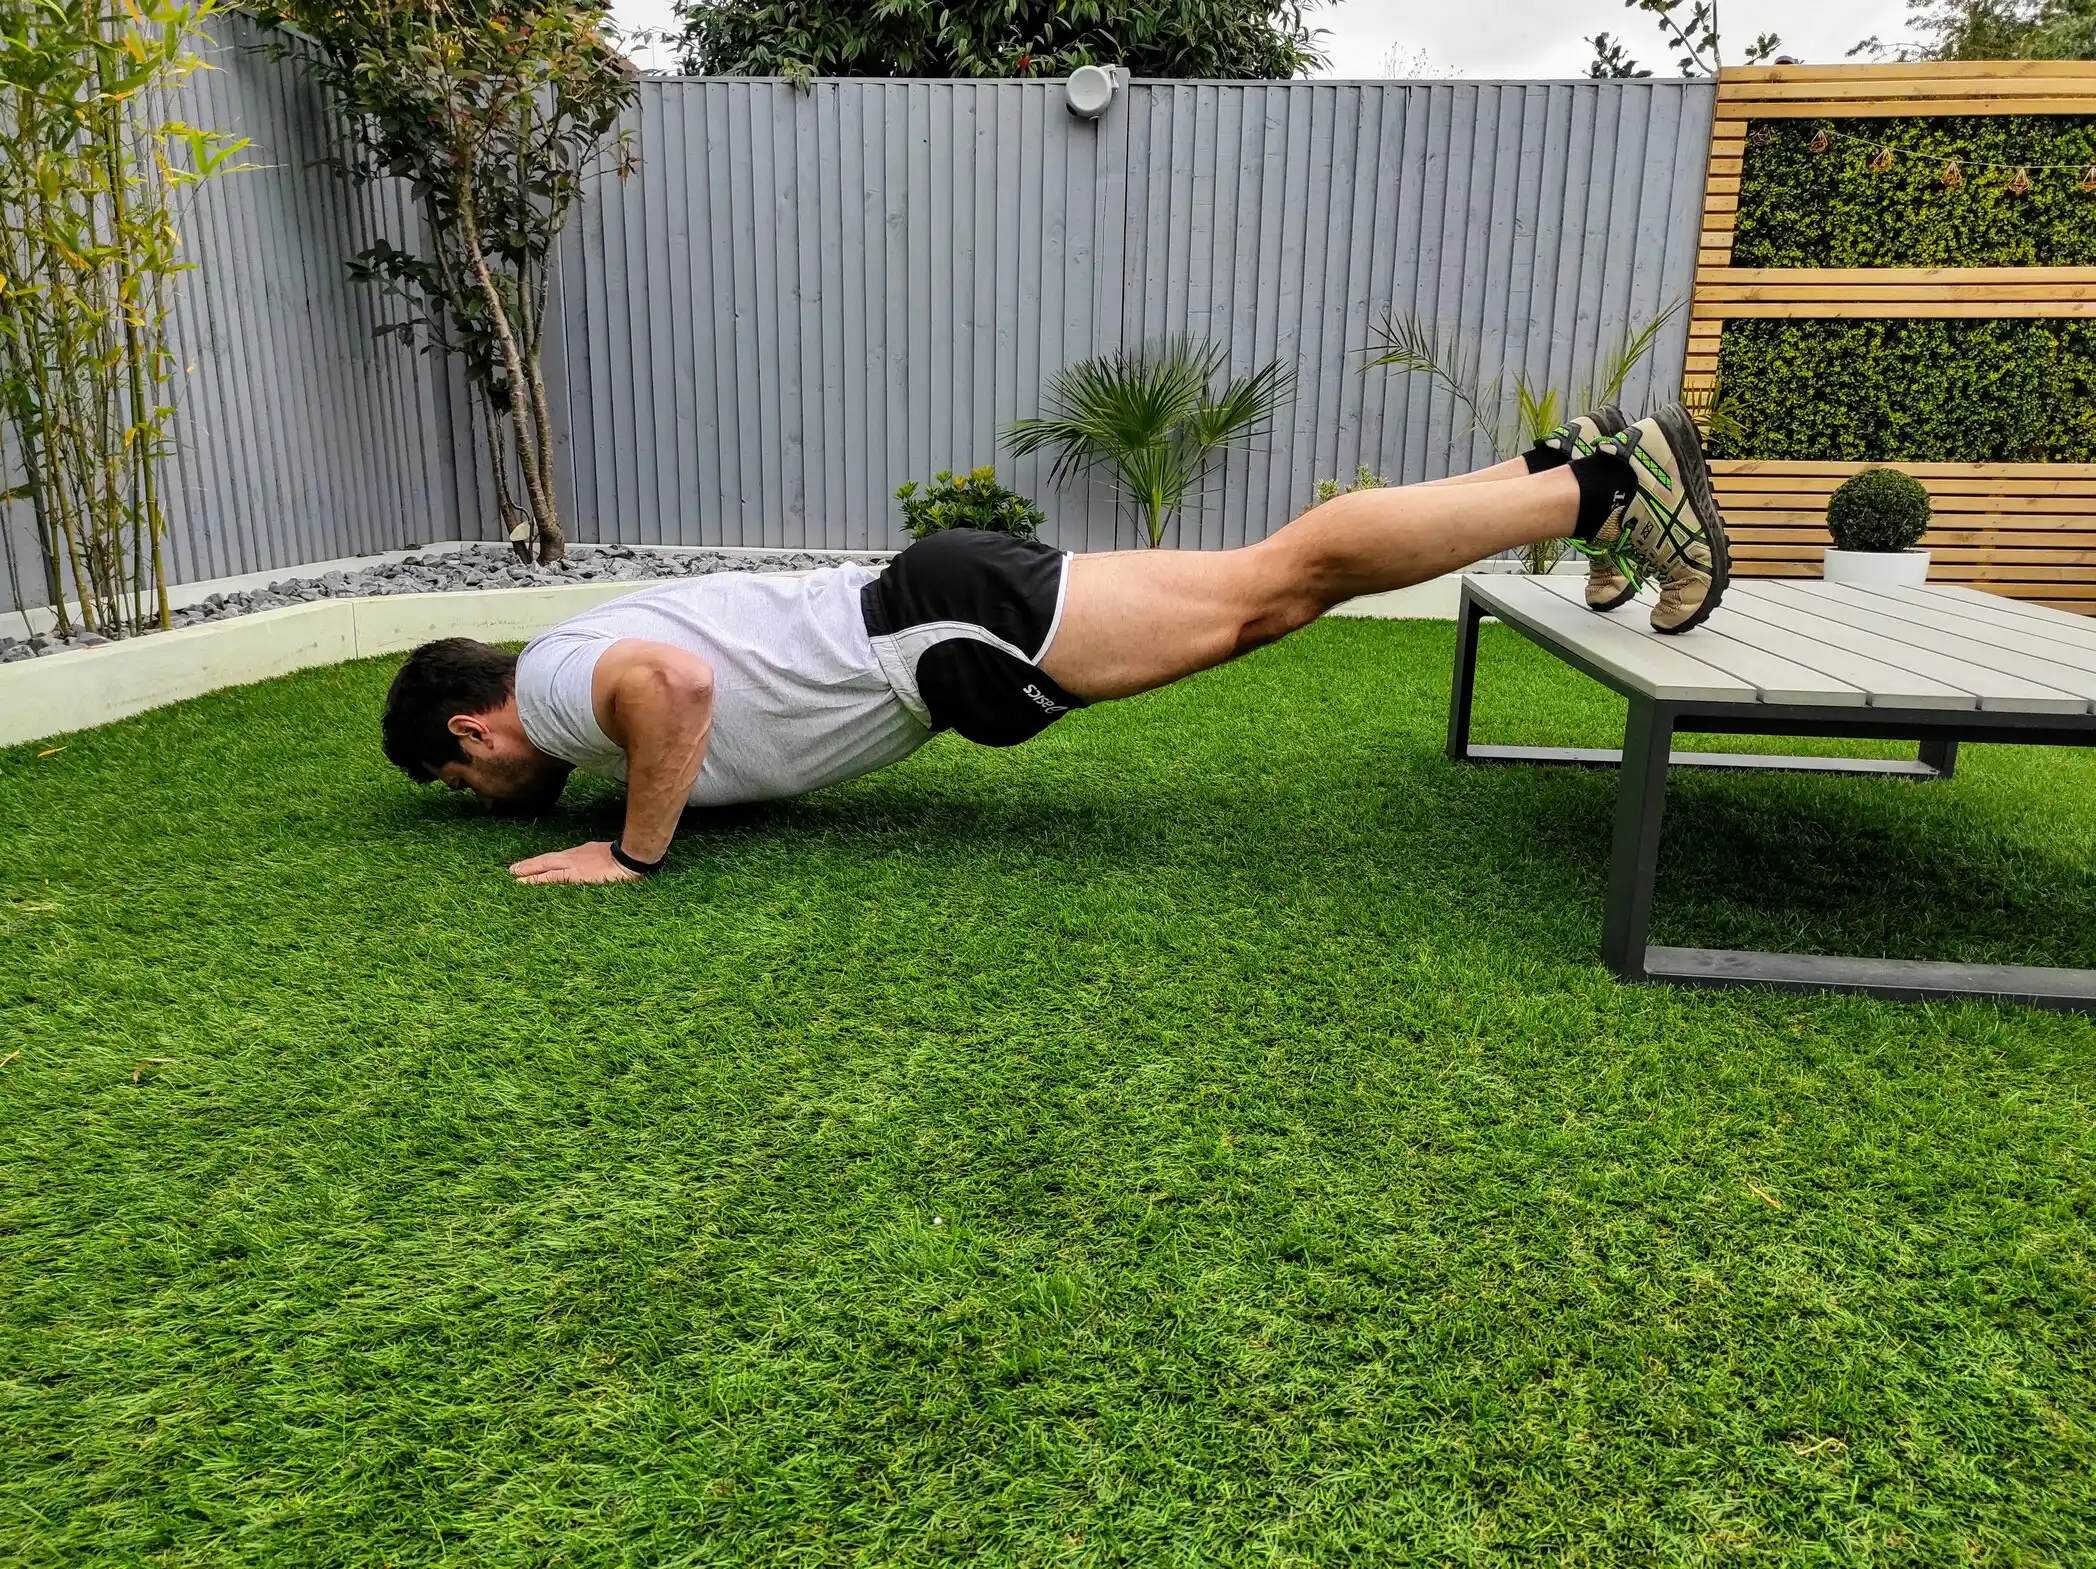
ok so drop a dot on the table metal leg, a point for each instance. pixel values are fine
(1469, 616)
(1633, 866)
(1634, 863)
(1897, 980)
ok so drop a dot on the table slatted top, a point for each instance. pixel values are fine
(1830, 645)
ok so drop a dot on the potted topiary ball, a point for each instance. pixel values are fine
(1875, 518)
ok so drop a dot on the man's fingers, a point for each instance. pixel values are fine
(584, 864)
(568, 874)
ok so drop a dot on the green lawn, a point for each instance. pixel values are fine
(1202, 1136)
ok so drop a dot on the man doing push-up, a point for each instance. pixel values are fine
(744, 687)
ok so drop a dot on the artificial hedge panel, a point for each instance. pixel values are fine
(2021, 390)
(1798, 208)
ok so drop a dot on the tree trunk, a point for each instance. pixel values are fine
(531, 306)
(551, 545)
(515, 527)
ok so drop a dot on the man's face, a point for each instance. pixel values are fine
(503, 770)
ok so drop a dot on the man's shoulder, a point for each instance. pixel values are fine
(562, 636)
(553, 693)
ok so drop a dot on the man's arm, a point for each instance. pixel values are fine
(655, 703)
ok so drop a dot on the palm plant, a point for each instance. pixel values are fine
(1510, 419)
(1152, 417)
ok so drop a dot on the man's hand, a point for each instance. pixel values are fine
(586, 863)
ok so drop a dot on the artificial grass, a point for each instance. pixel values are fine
(1202, 1136)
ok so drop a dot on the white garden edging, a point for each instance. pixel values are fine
(1434, 600)
(83, 687)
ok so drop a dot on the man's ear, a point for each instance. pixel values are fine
(471, 727)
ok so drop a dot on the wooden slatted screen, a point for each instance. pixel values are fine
(2022, 529)
(2027, 530)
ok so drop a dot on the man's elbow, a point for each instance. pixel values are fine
(693, 683)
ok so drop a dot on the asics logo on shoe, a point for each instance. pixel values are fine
(1048, 704)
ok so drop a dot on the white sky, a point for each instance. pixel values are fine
(1483, 39)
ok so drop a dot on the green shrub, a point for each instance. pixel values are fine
(1879, 509)
(1908, 390)
(1365, 478)
(1927, 389)
(975, 500)
(1798, 208)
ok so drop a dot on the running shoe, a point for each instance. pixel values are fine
(1673, 527)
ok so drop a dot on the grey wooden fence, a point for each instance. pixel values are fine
(807, 295)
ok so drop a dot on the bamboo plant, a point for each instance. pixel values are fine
(93, 166)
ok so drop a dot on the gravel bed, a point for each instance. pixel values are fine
(489, 566)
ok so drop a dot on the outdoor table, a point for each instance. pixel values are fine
(1934, 665)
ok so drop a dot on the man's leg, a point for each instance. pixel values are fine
(1133, 620)
(1512, 468)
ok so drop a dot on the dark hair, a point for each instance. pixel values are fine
(440, 681)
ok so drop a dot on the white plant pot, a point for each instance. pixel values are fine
(1877, 568)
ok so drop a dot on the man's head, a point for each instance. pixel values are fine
(451, 717)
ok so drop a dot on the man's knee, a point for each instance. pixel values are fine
(1280, 598)
(1275, 621)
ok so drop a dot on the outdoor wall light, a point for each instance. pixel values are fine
(1089, 90)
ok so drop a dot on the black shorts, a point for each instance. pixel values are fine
(960, 621)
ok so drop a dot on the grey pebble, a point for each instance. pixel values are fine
(488, 566)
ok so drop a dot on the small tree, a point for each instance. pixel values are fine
(92, 166)
(1696, 39)
(1179, 38)
(495, 111)
(1153, 417)
(1993, 30)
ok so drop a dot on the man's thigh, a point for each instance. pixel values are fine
(1137, 619)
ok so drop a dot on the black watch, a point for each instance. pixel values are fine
(634, 863)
